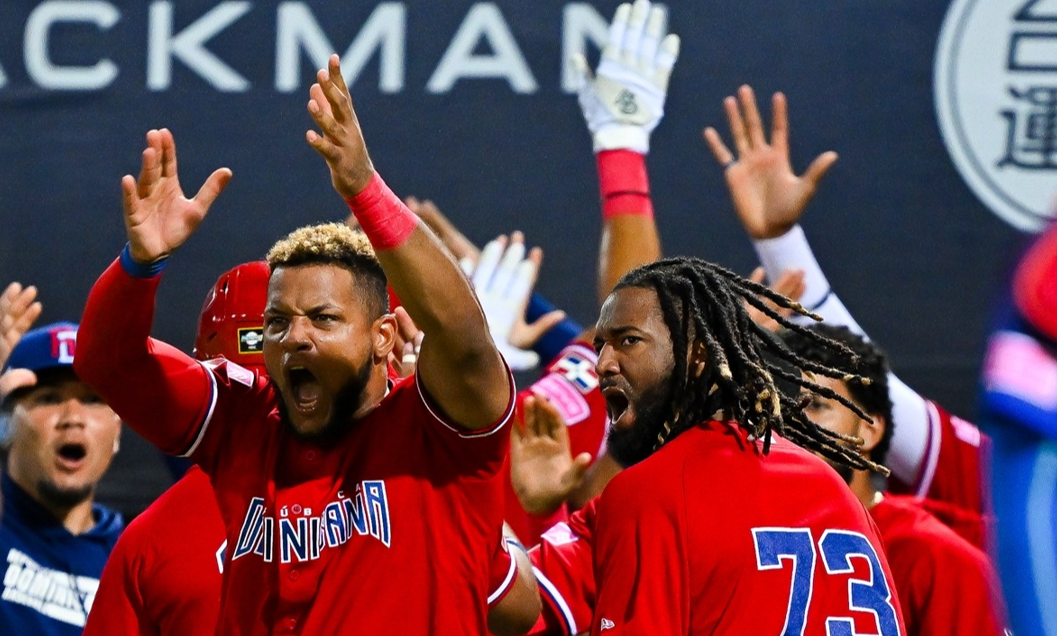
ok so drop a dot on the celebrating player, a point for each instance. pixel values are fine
(945, 584)
(54, 538)
(336, 487)
(716, 484)
(933, 454)
(164, 575)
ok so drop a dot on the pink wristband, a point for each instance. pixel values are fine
(384, 218)
(624, 184)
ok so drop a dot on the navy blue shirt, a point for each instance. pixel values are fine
(50, 575)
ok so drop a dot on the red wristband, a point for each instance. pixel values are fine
(624, 184)
(384, 218)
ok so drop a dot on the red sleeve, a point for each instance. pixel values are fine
(956, 466)
(564, 566)
(482, 451)
(642, 561)
(1035, 284)
(162, 393)
(118, 604)
(501, 574)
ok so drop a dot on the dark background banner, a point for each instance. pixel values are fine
(913, 253)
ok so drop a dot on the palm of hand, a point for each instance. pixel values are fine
(768, 196)
(163, 219)
(542, 473)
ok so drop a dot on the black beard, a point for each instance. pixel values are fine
(346, 403)
(632, 445)
(57, 497)
(845, 472)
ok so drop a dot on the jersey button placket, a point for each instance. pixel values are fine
(294, 575)
(290, 624)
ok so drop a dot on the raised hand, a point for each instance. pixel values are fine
(625, 101)
(503, 279)
(790, 284)
(542, 468)
(342, 142)
(768, 196)
(18, 310)
(158, 217)
(404, 356)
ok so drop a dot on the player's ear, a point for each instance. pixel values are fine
(696, 359)
(384, 334)
(872, 432)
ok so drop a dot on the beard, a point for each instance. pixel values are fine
(58, 497)
(629, 446)
(845, 472)
(346, 403)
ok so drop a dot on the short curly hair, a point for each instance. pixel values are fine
(872, 364)
(336, 244)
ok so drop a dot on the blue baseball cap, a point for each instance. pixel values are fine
(48, 347)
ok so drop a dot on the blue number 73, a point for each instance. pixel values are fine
(796, 547)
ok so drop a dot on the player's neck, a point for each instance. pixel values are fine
(78, 519)
(377, 387)
(862, 485)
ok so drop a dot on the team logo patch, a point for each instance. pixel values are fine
(251, 340)
(996, 101)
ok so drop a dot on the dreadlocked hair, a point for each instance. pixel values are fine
(703, 305)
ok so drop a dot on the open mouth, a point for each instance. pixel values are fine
(71, 455)
(616, 404)
(304, 388)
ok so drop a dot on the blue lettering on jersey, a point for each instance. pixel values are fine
(303, 536)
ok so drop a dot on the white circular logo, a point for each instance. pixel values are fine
(996, 100)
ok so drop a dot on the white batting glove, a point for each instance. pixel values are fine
(503, 281)
(625, 102)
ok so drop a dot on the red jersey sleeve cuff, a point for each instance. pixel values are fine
(507, 584)
(459, 429)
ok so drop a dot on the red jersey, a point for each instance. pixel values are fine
(709, 536)
(945, 585)
(570, 384)
(564, 566)
(390, 529)
(163, 577)
(955, 471)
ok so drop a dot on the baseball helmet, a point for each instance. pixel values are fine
(232, 320)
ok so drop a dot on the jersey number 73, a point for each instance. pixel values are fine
(838, 548)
